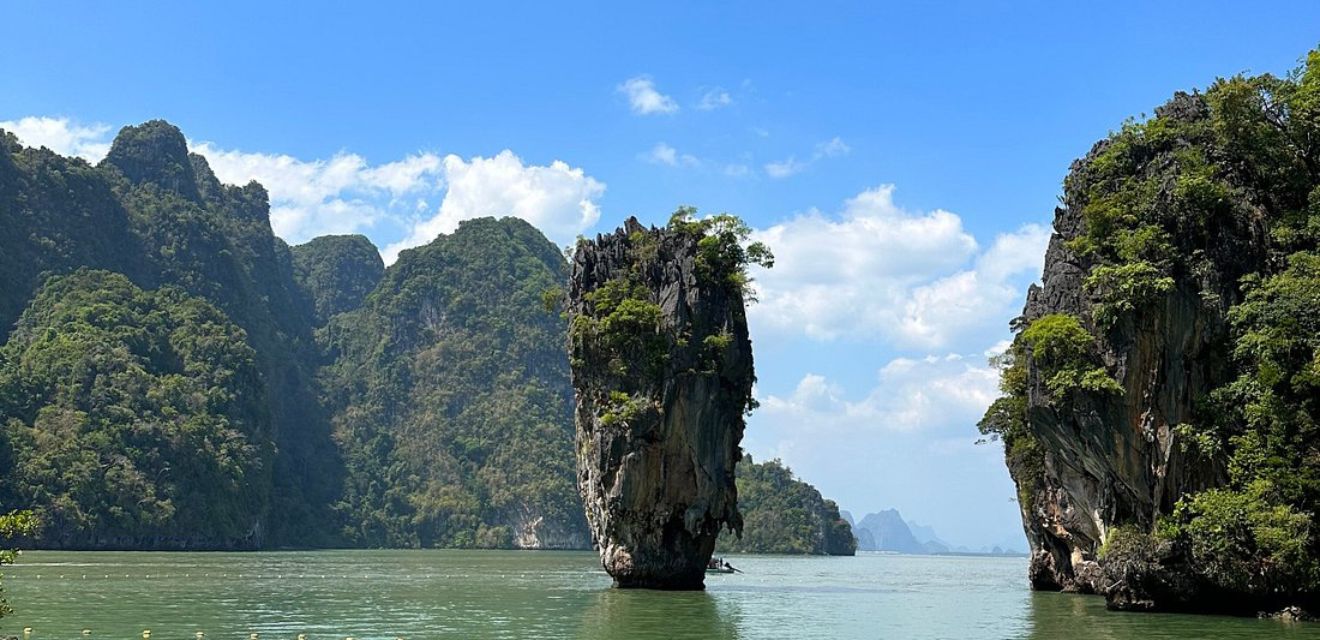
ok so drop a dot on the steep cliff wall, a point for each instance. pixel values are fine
(662, 369)
(1134, 399)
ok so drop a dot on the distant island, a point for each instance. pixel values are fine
(782, 514)
(887, 531)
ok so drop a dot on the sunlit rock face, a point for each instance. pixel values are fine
(662, 371)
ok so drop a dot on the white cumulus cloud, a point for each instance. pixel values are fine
(877, 272)
(343, 194)
(910, 394)
(347, 194)
(558, 199)
(62, 136)
(644, 98)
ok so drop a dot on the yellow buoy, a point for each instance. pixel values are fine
(200, 635)
(87, 632)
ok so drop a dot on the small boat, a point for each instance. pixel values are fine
(718, 565)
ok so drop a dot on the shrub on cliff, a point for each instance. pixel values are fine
(1063, 350)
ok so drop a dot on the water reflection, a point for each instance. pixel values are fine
(1060, 615)
(638, 613)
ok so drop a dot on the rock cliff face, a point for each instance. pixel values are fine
(1113, 459)
(1162, 392)
(662, 370)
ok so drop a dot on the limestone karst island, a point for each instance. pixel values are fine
(412, 321)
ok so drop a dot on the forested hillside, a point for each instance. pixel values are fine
(133, 418)
(451, 397)
(337, 272)
(782, 514)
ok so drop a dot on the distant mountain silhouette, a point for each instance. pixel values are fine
(888, 531)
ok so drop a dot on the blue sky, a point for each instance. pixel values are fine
(903, 159)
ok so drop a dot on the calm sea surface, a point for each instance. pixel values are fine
(494, 594)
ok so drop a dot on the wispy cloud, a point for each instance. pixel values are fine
(645, 99)
(792, 166)
(664, 154)
(716, 98)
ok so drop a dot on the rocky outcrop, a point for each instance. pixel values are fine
(1112, 459)
(662, 370)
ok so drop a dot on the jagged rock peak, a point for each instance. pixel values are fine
(154, 152)
(662, 370)
(338, 272)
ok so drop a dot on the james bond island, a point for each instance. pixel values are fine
(662, 370)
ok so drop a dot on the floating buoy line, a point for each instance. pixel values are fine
(245, 576)
(29, 634)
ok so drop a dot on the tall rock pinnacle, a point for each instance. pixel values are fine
(662, 369)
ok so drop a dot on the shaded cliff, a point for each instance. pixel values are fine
(782, 514)
(662, 370)
(1159, 395)
(156, 214)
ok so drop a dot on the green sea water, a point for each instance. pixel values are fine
(370, 595)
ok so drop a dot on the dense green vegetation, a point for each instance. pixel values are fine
(158, 216)
(132, 419)
(337, 272)
(782, 514)
(451, 396)
(1218, 194)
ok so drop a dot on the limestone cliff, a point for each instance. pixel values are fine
(662, 370)
(1113, 459)
(1134, 399)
